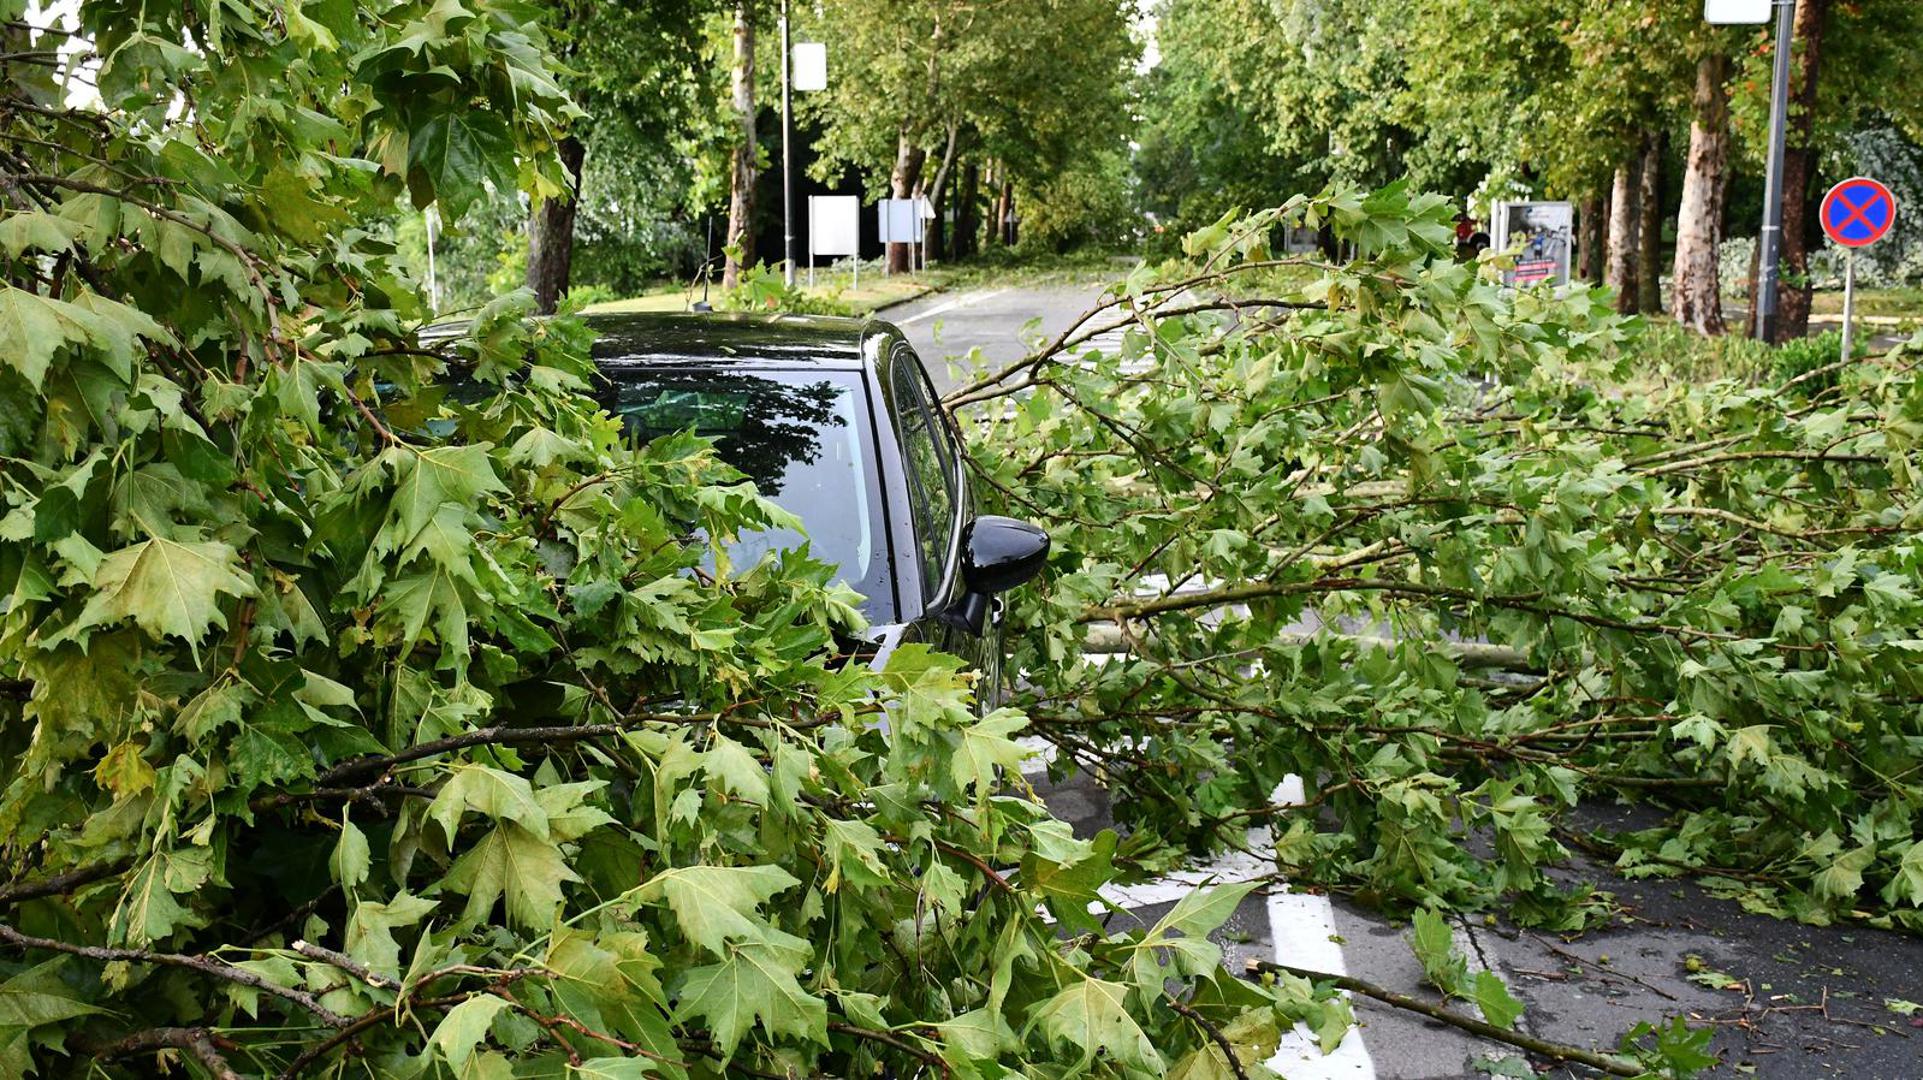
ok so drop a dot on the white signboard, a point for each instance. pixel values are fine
(811, 65)
(1543, 234)
(1732, 12)
(834, 224)
(900, 221)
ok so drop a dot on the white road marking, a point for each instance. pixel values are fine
(969, 300)
(1302, 926)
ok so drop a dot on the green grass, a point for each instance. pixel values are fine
(1900, 302)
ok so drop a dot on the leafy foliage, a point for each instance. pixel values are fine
(1436, 549)
(354, 726)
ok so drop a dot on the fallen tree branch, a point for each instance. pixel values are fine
(59, 884)
(1609, 1063)
(202, 964)
(1107, 638)
(203, 1044)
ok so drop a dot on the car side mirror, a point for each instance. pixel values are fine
(999, 554)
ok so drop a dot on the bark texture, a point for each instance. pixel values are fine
(1649, 251)
(1589, 240)
(905, 179)
(1625, 237)
(938, 195)
(1696, 292)
(741, 183)
(968, 213)
(550, 234)
(1799, 164)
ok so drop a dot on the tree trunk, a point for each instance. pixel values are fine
(1589, 262)
(1649, 257)
(1625, 240)
(905, 179)
(741, 184)
(967, 212)
(1799, 163)
(938, 194)
(550, 233)
(1696, 291)
(1004, 224)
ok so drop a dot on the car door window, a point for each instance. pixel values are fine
(930, 466)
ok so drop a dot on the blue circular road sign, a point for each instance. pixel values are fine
(1858, 212)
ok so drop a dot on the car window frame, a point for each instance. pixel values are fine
(925, 402)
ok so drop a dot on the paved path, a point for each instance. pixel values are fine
(1803, 1001)
(1003, 323)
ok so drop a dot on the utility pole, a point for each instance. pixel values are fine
(1770, 245)
(787, 142)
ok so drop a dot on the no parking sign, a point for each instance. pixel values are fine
(1856, 213)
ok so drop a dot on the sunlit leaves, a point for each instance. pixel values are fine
(1093, 1015)
(167, 588)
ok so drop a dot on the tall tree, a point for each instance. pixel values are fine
(631, 67)
(1650, 213)
(744, 158)
(1625, 233)
(1696, 296)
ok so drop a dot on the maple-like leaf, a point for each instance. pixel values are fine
(754, 982)
(1093, 1015)
(714, 904)
(526, 868)
(167, 588)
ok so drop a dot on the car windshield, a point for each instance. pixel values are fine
(801, 435)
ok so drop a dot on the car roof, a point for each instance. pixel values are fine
(732, 338)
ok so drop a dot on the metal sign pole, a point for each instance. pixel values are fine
(1771, 243)
(1849, 299)
(787, 139)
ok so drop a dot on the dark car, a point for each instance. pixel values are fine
(836, 421)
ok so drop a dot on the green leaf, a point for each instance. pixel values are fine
(1093, 1016)
(351, 858)
(167, 588)
(32, 330)
(610, 1068)
(1435, 946)
(39, 995)
(371, 926)
(734, 769)
(755, 982)
(427, 480)
(985, 748)
(451, 153)
(512, 861)
(500, 795)
(39, 231)
(1498, 1005)
(1906, 886)
(148, 910)
(463, 1028)
(716, 904)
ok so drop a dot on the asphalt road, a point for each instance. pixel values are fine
(1003, 323)
(1800, 1002)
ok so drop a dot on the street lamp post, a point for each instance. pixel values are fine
(787, 142)
(1771, 242)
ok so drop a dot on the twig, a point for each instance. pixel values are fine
(202, 964)
(198, 1041)
(1214, 1033)
(59, 884)
(1609, 1063)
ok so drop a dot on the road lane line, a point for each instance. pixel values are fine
(1302, 927)
(961, 301)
